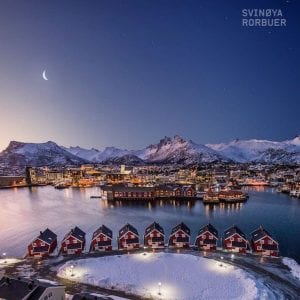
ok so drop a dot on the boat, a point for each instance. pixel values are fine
(211, 197)
(231, 196)
(61, 185)
(200, 195)
(295, 193)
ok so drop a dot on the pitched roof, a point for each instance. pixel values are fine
(77, 233)
(260, 233)
(47, 236)
(12, 289)
(103, 229)
(127, 227)
(20, 288)
(232, 230)
(153, 226)
(209, 228)
(183, 227)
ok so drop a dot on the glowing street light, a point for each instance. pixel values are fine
(145, 250)
(159, 287)
(72, 270)
(4, 255)
(221, 265)
(232, 256)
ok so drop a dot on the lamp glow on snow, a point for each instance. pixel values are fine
(72, 271)
(159, 288)
(221, 265)
(4, 256)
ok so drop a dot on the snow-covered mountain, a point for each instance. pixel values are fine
(19, 154)
(128, 159)
(177, 150)
(167, 150)
(260, 150)
(97, 156)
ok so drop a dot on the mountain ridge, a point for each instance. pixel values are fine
(169, 150)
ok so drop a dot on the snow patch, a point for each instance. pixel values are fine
(293, 265)
(182, 276)
(8, 261)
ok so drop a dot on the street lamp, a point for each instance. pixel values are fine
(4, 255)
(145, 250)
(72, 270)
(159, 287)
(221, 265)
(232, 256)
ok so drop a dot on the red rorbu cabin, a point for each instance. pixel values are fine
(235, 240)
(154, 236)
(262, 242)
(43, 245)
(180, 236)
(73, 242)
(128, 238)
(207, 238)
(102, 239)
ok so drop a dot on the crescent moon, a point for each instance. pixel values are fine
(44, 75)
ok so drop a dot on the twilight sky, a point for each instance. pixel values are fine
(126, 73)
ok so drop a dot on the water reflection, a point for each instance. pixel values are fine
(149, 203)
(24, 212)
(222, 208)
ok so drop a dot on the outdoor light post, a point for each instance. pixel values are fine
(221, 260)
(145, 250)
(159, 287)
(72, 270)
(4, 255)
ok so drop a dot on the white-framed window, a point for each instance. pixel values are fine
(258, 247)
(231, 239)
(270, 242)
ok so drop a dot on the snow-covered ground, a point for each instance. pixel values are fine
(8, 261)
(182, 276)
(293, 265)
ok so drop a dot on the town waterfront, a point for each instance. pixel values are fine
(26, 211)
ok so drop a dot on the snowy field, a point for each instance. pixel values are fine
(4, 262)
(293, 265)
(166, 276)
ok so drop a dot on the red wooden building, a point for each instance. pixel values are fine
(188, 191)
(128, 238)
(235, 240)
(154, 236)
(43, 245)
(262, 242)
(180, 236)
(207, 238)
(101, 240)
(73, 242)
